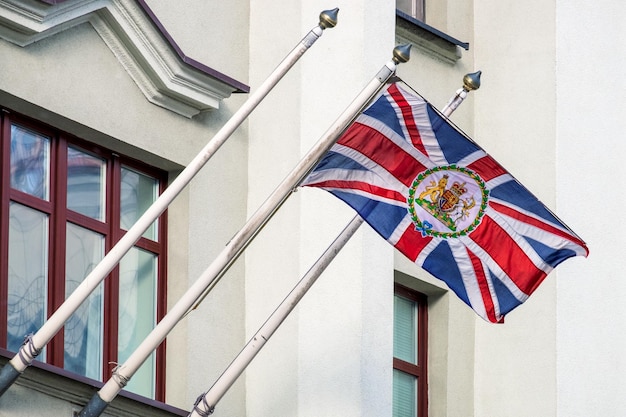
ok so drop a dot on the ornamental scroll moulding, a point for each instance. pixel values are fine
(164, 74)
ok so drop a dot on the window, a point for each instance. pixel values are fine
(63, 204)
(413, 8)
(410, 325)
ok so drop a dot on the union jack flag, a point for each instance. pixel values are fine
(443, 202)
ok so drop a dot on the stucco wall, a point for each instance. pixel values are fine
(329, 356)
(590, 106)
(516, 122)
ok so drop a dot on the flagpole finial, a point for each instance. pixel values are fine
(472, 81)
(402, 53)
(328, 18)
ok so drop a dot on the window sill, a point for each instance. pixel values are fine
(428, 39)
(75, 391)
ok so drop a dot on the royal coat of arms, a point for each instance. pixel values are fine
(447, 201)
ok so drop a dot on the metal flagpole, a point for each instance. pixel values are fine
(35, 343)
(205, 404)
(238, 243)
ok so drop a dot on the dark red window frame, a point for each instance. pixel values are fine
(420, 370)
(59, 215)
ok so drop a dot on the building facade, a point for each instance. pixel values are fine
(106, 101)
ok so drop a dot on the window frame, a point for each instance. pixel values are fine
(419, 370)
(59, 216)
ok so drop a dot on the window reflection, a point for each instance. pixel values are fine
(137, 314)
(139, 191)
(85, 184)
(83, 330)
(30, 162)
(28, 271)
(43, 231)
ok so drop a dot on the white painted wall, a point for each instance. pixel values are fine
(553, 93)
(515, 121)
(591, 314)
(329, 357)
(213, 33)
(345, 333)
(203, 344)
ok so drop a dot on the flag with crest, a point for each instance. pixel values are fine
(442, 201)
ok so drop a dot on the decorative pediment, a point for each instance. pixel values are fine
(165, 75)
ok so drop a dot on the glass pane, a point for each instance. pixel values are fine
(405, 329)
(28, 272)
(404, 394)
(30, 162)
(85, 184)
(414, 8)
(139, 191)
(83, 330)
(137, 314)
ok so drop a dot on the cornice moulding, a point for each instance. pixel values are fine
(160, 69)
